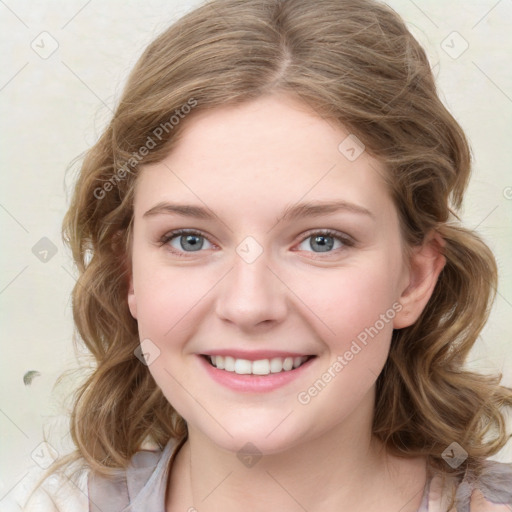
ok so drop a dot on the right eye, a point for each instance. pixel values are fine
(184, 241)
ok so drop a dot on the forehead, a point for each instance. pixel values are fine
(274, 151)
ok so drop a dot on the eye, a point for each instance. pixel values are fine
(184, 240)
(325, 240)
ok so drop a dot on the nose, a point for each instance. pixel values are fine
(251, 295)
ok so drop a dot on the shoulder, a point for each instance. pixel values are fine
(142, 483)
(490, 490)
(87, 491)
(487, 490)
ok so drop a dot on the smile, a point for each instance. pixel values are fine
(254, 371)
(258, 367)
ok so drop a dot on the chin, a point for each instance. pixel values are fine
(262, 435)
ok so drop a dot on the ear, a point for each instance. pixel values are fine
(426, 264)
(132, 301)
(128, 263)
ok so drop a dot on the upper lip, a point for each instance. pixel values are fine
(253, 355)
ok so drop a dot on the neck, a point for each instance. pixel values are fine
(344, 467)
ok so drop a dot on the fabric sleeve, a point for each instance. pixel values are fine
(491, 491)
(116, 494)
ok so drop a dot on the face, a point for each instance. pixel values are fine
(258, 277)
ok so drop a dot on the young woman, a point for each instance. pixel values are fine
(274, 282)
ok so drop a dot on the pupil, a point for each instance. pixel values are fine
(192, 240)
(323, 244)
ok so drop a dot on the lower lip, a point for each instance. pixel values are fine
(253, 383)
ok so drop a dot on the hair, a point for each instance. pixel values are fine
(355, 63)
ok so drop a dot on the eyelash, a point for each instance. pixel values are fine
(346, 241)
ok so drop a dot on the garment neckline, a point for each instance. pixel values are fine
(174, 446)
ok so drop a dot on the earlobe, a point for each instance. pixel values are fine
(132, 301)
(427, 262)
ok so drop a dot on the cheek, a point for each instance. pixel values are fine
(353, 299)
(167, 298)
(358, 309)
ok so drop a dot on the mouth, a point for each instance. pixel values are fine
(258, 367)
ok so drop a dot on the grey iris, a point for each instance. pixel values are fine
(192, 241)
(325, 243)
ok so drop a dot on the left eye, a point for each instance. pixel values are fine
(324, 241)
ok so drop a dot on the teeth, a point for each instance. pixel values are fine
(259, 367)
(229, 363)
(243, 367)
(288, 364)
(276, 365)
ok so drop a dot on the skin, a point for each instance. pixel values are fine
(247, 163)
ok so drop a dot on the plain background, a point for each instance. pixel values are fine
(53, 107)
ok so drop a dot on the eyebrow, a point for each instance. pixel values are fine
(293, 212)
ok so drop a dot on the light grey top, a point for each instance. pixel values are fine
(142, 488)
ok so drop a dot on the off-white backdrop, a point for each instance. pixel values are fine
(64, 64)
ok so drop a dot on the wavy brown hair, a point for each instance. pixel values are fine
(355, 63)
